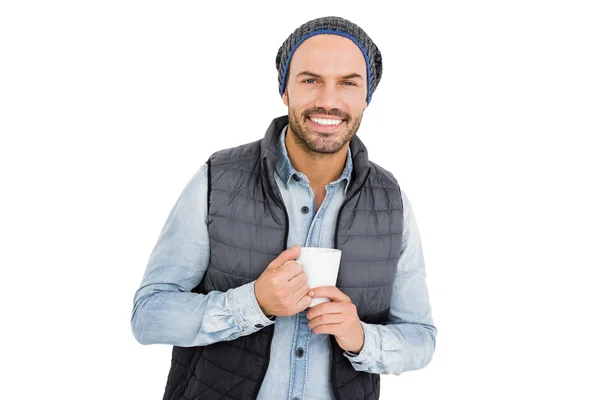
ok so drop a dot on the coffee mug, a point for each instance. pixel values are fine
(321, 266)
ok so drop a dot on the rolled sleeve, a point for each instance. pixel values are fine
(245, 308)
(361, 360)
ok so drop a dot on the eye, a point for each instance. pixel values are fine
(349, 83)
(307, 80)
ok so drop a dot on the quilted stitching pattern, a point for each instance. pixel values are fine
(247, 230)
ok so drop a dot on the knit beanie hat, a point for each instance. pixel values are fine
(336, 26)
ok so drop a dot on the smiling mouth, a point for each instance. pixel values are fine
(325, 125)
(326, 121)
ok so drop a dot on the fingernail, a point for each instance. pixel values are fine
(310, 293)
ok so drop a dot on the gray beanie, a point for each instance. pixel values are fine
(335, 26)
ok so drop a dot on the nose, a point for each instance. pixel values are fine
(329, 97)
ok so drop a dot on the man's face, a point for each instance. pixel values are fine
(326, 93)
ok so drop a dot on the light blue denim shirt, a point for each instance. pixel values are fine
(166, 311)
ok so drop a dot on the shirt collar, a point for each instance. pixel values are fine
(286, 171)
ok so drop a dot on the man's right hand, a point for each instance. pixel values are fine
(282, 290)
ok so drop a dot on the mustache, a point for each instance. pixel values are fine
(334, 112)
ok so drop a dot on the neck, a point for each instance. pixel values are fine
(320, 169)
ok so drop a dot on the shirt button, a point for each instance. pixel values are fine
(259, 326)
(305, 210)
(300, 352)
(296, 178)
(296, 398)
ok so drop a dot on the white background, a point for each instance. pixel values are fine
(487, 113)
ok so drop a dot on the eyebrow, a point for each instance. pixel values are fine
(349, 76)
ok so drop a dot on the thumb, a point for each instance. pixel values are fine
(286, 255)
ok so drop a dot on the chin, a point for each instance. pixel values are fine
(326, 145)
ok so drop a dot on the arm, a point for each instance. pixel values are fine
(164, 308)
(407, 342)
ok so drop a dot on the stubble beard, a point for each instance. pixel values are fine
(319, 145)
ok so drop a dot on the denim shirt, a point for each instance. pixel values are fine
(165, 311)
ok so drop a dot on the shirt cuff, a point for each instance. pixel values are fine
(363, 359)
(245, 309)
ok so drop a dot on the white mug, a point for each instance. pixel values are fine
(321, 266)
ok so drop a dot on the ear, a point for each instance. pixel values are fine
(285, 98)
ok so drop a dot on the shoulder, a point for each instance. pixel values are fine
(382, 176)
(247, 151)
(197, 184)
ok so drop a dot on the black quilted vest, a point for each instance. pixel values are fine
(248, 228)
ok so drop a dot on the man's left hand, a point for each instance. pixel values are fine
(338, 318)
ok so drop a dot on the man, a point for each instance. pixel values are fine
(221, 285)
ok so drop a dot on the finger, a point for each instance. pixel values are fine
(325, 308)
(304, 303)
(298, 281)
(332, 292)
(302, 292)
(289, 270)
(327, 319)
(286, 255)
(330, 329)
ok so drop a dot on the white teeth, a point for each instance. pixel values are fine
(323, 121)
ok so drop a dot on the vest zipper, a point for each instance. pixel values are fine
(332, 338)
(339, 216)
(280, 203)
